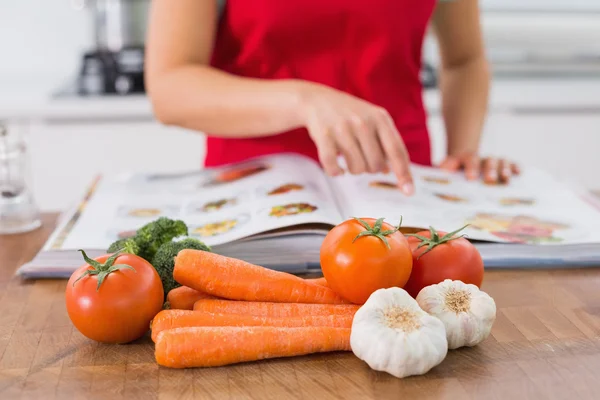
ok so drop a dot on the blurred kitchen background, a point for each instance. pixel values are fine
(83, 112)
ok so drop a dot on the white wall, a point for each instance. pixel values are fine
(47, 37)
(42, 37)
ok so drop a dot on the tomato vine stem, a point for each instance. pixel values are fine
(102, 270)
(435, 239)
(376, 231)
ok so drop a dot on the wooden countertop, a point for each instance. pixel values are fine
(545, 345)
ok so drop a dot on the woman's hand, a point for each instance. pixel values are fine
(491, 170)
(363, 133)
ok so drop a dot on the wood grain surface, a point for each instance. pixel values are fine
(545, 344)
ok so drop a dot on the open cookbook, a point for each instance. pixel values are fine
(276, 210)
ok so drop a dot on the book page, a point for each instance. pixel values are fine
(533, 208)
(218, 205)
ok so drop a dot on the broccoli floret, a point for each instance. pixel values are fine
(150, 237)
(153, 235)
(126, 245)
(164, 260)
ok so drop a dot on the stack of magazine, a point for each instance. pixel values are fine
(275, 211)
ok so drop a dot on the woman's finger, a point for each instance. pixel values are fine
(327, 149)
(396, 152)
(348, 144)
(366, 135)
(490, 170)
(504, 171)
(451, 164)
(471, 165)
(515, 169)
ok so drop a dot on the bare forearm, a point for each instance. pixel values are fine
(201, 98)
(465, 89)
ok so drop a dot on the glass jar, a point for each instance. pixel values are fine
(18, 211)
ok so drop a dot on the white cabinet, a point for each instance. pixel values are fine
(497, 123)
(66, 157)
(564, 143)
(540, 5)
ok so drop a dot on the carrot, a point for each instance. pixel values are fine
(238, 280)
(218, 346)
(318, 281)
(183, 298)
(278, 310)
(169, 319)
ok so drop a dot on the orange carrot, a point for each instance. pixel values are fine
(278, 310)
(234, 279)
(318, 281)
(183, 298)
(169, 319)
(218, 346)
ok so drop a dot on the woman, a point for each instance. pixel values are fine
(321, 78)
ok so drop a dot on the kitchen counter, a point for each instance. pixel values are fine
(20, 99)
(545, 344)
(35, 100)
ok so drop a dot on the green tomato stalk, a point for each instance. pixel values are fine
(435, 239)
(376, 231)
(102, 270)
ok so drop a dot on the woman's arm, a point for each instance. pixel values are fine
(464, 74)
(185, 91)
(465, 80)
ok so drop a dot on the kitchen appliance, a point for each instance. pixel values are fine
(119, 24)
(115, 65)
(108, 72)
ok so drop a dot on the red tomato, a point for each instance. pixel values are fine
(360, 256)
(116, 306)
(451, 258)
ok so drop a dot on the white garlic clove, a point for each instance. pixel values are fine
(468, 313)
(391, 333)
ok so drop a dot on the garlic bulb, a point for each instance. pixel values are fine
(392, 334)
(467, 313)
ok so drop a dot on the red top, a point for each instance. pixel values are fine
(370, 49)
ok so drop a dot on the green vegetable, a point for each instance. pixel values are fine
(153, 235)
(150, 237)
(164, 260)
(127, 245)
